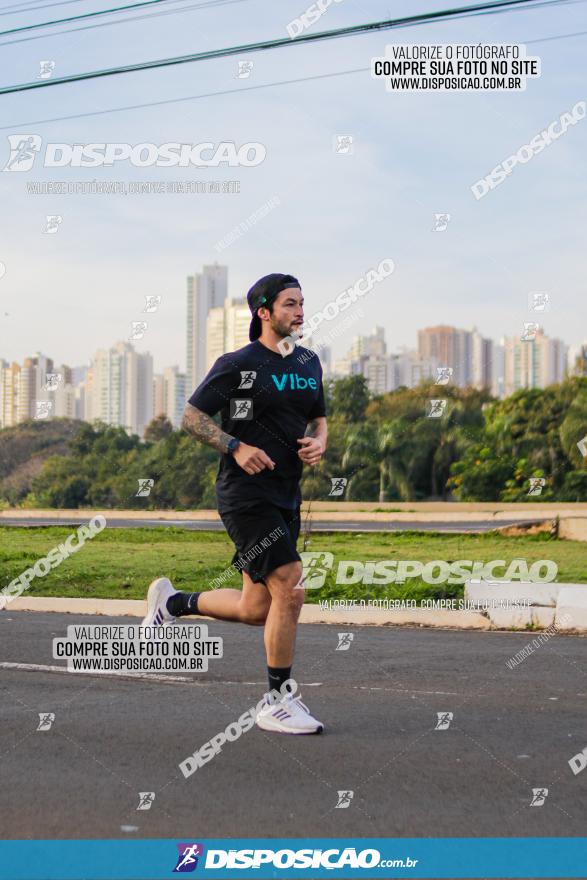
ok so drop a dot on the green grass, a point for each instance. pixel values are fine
(120, 563)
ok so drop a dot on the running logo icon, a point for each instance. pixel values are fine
(338, 485)
(145, 486)
(315, 569)
(444, 719)
(23, 151)
(241, 409)
(344, 800)
(247, 379)
(152, 303)
(187, 861)
(146, 799)
(443, 375)
(46, 720)
(437, 408)
(539, 795)
(536, 485)
(441, 222)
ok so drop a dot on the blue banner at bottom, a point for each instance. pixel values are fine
(225, 859)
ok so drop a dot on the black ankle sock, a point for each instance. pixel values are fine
(183, 603)
(278, 675)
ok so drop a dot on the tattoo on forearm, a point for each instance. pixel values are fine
(204, 429)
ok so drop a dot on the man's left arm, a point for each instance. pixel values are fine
(313, 443)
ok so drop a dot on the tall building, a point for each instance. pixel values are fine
(408, 369)
(120, 390)
(175, 395)
(9, 385)
(498, 371)
(158, 395)
(449, 347)
(227, 328)
(577, 361)
(367, 346)
(205, 290)
(481, 372)
(534, 364)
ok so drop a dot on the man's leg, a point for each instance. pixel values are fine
(289, 715)
(282, 619)
(249, 605)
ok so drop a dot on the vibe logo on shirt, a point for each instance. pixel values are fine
(296, 382)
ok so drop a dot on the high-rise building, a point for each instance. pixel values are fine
(205, 290)
(481, 372)
(367, 346)
(175, 395)
(120, 390)
(227, 328)
(158, 395)
(534, 364)
(449, 347)
(498, 371)
(9, 385)
(408, 369)
(577, 361)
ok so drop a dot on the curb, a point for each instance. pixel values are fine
(355, 616)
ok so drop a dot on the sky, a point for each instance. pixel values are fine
(338, 215)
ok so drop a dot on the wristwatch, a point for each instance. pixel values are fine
(233, 445)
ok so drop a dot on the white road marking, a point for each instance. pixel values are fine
(143, 676)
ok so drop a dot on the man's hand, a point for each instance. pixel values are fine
(312, 450)
(251, 459)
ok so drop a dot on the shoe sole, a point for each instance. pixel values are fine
(271, 729)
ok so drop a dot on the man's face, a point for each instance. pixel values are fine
(287, 315)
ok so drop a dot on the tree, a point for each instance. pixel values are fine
(158, 429)
(348, 398)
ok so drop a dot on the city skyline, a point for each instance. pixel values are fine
(334, 214)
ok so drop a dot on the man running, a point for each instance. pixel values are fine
(273, 422)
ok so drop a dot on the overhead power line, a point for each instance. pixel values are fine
(85, 15)
(19, 8)
(221, 93)
(370, 27)
(127, 19)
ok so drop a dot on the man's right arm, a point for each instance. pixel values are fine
(203, 427)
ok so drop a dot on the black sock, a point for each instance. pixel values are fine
(278, 675)
(183, 603)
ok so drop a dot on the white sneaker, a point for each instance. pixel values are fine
(159, 592)
(289, 715)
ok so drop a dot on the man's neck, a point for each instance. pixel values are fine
(271, 341)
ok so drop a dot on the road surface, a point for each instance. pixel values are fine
(512, 731)
(322, 525)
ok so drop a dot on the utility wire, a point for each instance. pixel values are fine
(371, 27)
(125, 20)
(115, 9)
(26, 7)
(284, 82)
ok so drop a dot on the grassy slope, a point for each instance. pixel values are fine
(120, 563)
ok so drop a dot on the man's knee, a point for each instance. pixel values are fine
(284, 584)
(286, 577)
(255, 613)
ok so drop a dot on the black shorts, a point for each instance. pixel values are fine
(265, 537)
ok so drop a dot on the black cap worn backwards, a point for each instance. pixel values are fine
(262, 293)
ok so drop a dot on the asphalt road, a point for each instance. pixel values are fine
(324, 525)
(512, 730)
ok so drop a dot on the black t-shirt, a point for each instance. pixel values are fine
(266, 400)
